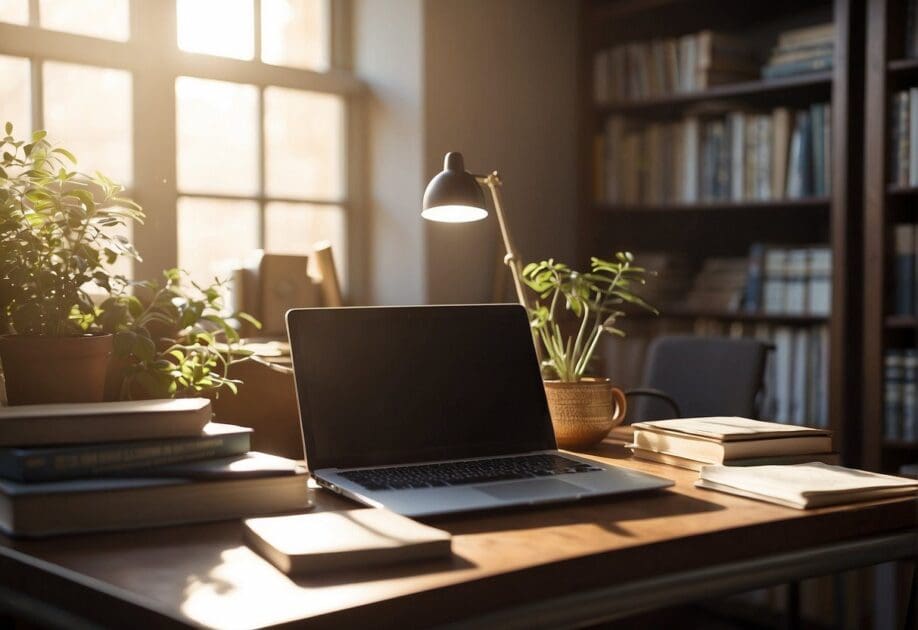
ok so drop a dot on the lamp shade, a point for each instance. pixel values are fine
(454, 195)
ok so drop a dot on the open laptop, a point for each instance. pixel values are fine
(435, 409)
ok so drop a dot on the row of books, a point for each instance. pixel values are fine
(903, 145)
(773, 280)
(737, 156)
(905, 271)
(694, 62)
(900, 395)
(677, 65)
(122, 465)
(797, 375)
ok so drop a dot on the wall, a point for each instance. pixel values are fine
(500, 87)
(495, 80)
(388, 56)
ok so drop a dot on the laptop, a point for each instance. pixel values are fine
(429, 410)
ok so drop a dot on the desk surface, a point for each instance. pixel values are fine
(204, 574)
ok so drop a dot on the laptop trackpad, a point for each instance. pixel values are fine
(534, 489)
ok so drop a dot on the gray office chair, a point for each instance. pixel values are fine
(686, 377)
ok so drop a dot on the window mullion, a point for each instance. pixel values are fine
(261, 167)
(36, 70)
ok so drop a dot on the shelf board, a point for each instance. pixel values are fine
(900, 444)
(764, 318)
(895, 189)
(745, 89)
(719, 206)
(902, 66)
(902, 322)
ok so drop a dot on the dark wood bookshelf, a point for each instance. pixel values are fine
(746, 91)
(726, 227)
(885, 205)
(815, 203)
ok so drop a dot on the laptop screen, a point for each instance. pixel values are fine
(394, 385)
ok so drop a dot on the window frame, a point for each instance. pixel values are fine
(154, 69)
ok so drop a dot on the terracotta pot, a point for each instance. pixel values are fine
(583, 413)
(40, 369)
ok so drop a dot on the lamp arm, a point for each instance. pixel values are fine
(492, 181)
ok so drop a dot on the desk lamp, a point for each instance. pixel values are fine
(454, 196)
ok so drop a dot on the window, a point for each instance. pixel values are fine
(226, 119)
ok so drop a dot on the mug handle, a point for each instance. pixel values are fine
(619, 405)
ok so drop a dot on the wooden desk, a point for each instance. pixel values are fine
(547, 566)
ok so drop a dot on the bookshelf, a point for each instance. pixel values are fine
(886, 205)
(727, 227)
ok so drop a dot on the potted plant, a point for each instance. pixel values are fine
(174, 342)
(583, 409)
(58, 240)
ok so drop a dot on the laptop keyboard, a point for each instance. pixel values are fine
(466, 472)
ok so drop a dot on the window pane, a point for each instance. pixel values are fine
(295, 33)
(15, 99)
(215, 236)
(96, 18)
(217, 131)
(14, 11)
(304, 142)
(88, 111)
(225, 28)
(293, 228)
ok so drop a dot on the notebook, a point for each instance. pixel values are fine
(804, 486)
(311, 543)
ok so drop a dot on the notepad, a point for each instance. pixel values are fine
(326, 541)
(804, 486)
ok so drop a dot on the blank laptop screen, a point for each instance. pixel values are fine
(393, 385)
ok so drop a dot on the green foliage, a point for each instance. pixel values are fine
(175, 343)
(594, 298)
(58, 235)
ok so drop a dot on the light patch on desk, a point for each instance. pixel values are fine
(243, 588)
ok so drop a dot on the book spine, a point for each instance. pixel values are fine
(816, 130)
(913, 137)
(910, 395)
(71, 463)
(893, 363)
(752, 297)
(904, 275)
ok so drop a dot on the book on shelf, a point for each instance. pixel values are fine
(691, 464)
(715, 156)
(333, 541)
(249, 485)
(718, 440)
(801, 50)
(905, 276)
(677, 65)
(804, 486)
(900, 394)
(78, 423)
(72, 461)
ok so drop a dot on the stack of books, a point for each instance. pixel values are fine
(696, 442)
(676, 65)
(81, 467)
(802, 50)
(719, 155)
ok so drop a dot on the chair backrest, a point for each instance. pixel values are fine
(706, 376)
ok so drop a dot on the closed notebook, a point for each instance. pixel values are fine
(717, 440)
(326, 541)
(81, 423)
(804, 485)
